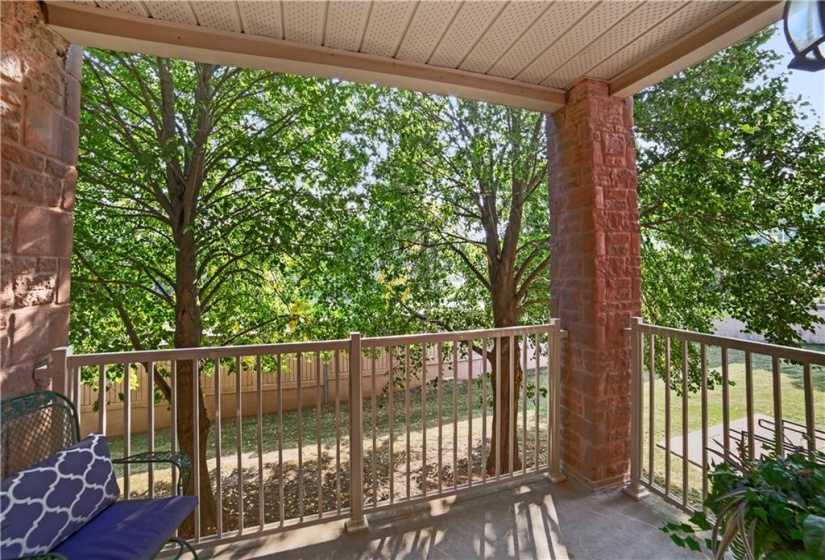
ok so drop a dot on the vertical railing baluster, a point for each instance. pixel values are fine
(407, 380)
(779, 424)
(374, 415)
(524, 404)
(537, 375)
(497, 397)
(511, 406)
(554, 415)
(391, 405)
(725, 401)
(196, 463)
(218, 452)
(470, 411)
(150, 420)
(704, 363)
(259, 382)
(239, 440)
(455, 414)
(810, 415)
(685, 443)
(337, 366)
(318, 401)
(102, 398)
(667, 416)
(484, 344)
(357, 521)
(749, 404)
(173, 369)
(439, 389)
(423, 419)
(127, 428)
(635, 488)
(299, 374)
(280, 397)
(651, 427)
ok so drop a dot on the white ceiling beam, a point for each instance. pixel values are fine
(94, 27)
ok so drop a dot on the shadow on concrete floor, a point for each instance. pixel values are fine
(528, 519)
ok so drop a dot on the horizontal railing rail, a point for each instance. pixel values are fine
(295, 438)
(699, 399)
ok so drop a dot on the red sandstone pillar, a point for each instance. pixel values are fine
(39, 110)
(596, 276)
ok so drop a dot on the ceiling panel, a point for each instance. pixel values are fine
(472, 20)
(575, 39)
(262, 18)
(681, 22)
(217, 15)
(645, 17)
(493, 50)
(552, 24)
(387, 26)
(178, 12)
(346, 24)
(131, 7)
(516, 18)
(426, 29)
(304, 21)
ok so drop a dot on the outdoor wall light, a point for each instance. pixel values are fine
(805, 31)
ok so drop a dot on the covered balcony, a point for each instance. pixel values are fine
(381, 446)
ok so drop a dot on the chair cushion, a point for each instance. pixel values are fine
(129, 529)
(43, 505)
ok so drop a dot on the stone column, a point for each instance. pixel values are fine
(596, 276)
(39, 110)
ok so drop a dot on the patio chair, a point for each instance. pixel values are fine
(36, 426)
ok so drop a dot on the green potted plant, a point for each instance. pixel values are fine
(770, 508)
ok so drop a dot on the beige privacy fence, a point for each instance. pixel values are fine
(321, 378)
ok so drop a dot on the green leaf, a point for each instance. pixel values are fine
(678, 540)
(814, 535)
(700, 521)
(693, 544)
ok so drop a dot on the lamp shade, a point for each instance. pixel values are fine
(805, 32)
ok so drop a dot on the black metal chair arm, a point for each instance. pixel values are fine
(179, 460)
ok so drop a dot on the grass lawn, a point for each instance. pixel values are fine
(793, 408)
(401, 474)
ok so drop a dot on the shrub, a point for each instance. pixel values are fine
(768, 508)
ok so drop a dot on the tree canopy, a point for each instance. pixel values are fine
(731, 197)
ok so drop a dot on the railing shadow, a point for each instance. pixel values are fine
(518, 522)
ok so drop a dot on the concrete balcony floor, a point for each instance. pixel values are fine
(528, 519)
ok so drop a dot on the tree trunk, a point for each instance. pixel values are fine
(188, 330)
(498, 461)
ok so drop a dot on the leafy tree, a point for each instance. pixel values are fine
(192, 198)
(458, 201)
(730, 180)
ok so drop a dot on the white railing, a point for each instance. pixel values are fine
(416, 423)
(698, 398)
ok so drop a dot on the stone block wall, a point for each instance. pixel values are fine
(595, 276)
(39, 112)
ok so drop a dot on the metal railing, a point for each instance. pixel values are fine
(417, 422)
(698, 398)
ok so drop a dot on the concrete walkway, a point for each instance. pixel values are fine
(526, 520)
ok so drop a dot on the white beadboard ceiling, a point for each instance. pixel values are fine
(529, 46)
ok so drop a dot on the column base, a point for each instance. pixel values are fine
(359, 526)
(556, 477)
(637, 491)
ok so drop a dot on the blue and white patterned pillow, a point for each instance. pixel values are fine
(43, 505)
